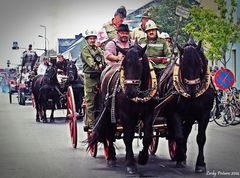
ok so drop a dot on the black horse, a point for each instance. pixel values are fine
(76, 81)
(193, 101)
(126, 104)
(43, 89)
(46, 88)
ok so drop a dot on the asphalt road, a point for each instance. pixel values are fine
(39, 150)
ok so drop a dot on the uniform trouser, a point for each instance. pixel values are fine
(90, 94)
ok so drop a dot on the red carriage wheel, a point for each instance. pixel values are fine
(33, 101)
(154, 145)
(72, 116)
(172, 149)
(92, 149)
(105, 145)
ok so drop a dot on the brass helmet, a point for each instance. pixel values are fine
(90, 33)
(164, 35)
(150, 25)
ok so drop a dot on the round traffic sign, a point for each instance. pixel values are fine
(224, 79)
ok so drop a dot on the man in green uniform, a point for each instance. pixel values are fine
(157, 49)
(139, 32)
(93, 64)
(169, 42)
(112, 26)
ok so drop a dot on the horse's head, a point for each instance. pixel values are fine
(193, 66)
(50, 74)
(134, 64)
(71, 71)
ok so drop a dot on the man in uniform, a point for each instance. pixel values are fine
(157, 49)
(169, 42)
(93, 64)
(112, 26)
(122, 40)
(61, 68)
(139, 32)
(61, 64)
(29, 58)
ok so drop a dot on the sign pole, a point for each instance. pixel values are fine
(182, 12)
(176, 36)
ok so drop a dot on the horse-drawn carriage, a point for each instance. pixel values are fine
(128, 107)
(126, 115)
(21, 85)
(48, 93)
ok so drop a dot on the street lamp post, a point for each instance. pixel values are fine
(46, 48)
(45, 33)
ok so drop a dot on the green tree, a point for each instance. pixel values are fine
(165, 17)
(218, 29)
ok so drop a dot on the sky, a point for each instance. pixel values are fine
(20, 21)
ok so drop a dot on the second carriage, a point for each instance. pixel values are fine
(51, 93)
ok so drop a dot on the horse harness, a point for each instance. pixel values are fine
(178, 87)
(119, 85)
(178, 83)
(149, 93)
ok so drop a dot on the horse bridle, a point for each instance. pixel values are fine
(132, 82)
(70, 72)
(192, 82)
(146, 95)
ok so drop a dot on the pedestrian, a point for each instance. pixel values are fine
(43, 66)
(93, 64)
(112, 26)
(111, 54)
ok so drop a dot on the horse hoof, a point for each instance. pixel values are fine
(143, 158)
(200, 169)
(38, 120)
(45, 121)
(181, 164)
(51, 120)
(111, 163)
(131, 169)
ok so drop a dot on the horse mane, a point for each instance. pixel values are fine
(73, 68)
(51, 75)
(131, 57)
(203, 60)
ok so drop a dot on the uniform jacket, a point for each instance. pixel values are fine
(138, 33)
(92, 57)
(155, 49)
(110, 30)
